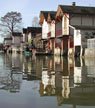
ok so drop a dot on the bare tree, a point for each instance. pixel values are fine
(35, 22)
(10, 23)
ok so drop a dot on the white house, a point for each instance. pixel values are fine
(47, 27)
(44, 23)
(51, 32)
(7, 44)
(17, 39)
(76, 16)
(83, 40)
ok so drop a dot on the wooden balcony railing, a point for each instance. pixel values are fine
(59, 32)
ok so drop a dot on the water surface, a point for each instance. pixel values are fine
(46, 82)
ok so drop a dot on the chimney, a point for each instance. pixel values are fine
(73, 3)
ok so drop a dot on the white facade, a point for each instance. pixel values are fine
(52, 29)
(44, 30)
(65, 25)
(81, 37)
(77, 38)
(17, 40)
(23, 37)
(49, 27)
(29, 36)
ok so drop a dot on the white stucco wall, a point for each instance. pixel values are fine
(80, 37)
(52, 29)
(44, 30)
(16, 40)
(77, 38)
(65, 31)
(57, 51)
(23, 37)
(29, 36)
(49, 27)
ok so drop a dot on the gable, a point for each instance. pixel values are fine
(59, 12)
(49, 18)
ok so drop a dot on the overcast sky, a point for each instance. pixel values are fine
(31, 8)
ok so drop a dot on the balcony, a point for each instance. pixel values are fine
(49, 34)
(59, 32)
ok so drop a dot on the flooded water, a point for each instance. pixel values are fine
(46, 82)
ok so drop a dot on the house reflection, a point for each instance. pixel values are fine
(32, 68)
(70, 81)
(77, 72)
(55, 79)
(47, 86)
(8, 60)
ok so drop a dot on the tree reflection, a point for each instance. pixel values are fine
(11, 82)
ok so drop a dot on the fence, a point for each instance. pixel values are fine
(91, 43)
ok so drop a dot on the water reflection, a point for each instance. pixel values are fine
(71, 81)
(11, 75)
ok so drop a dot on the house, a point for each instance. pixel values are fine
(17, 39)
(7, 43)
(31, 33)
(31, 37)
(70, 20)
(84, 37)
(51, 33)
(45, 20)
(37, 41)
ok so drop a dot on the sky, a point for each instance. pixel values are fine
(32, 8)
